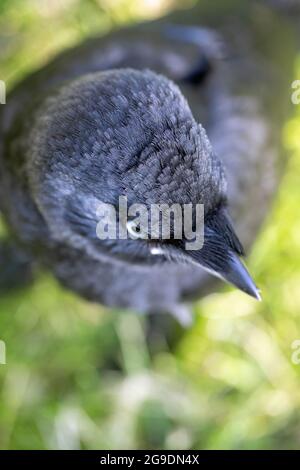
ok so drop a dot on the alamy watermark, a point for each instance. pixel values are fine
(2, 352)
(2, 92)
(295, 97)
(154, 222)
(295, 357)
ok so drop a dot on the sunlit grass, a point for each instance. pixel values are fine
(78, 375)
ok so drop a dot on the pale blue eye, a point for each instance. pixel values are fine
(134, 229)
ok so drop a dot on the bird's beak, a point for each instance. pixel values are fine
(238, 275)
(220, 259)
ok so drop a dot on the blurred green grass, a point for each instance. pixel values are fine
(78, 376)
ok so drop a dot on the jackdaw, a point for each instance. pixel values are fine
(123, 116)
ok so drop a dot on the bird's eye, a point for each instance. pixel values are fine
(134, 229)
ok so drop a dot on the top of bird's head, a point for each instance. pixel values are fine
(129, 133)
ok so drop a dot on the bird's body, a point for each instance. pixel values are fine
(41, 187)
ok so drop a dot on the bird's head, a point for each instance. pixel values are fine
(131, 134)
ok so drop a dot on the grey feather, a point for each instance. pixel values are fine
(107, 118)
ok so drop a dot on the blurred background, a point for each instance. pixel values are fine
(80, 376)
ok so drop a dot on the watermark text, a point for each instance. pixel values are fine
(155, 222)
(2, 352)
(2, 92)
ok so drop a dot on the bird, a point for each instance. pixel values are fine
(187, 109)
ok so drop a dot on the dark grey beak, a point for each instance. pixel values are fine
(229, 267)
(221, 255)
(237, 274)
(231, 270)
